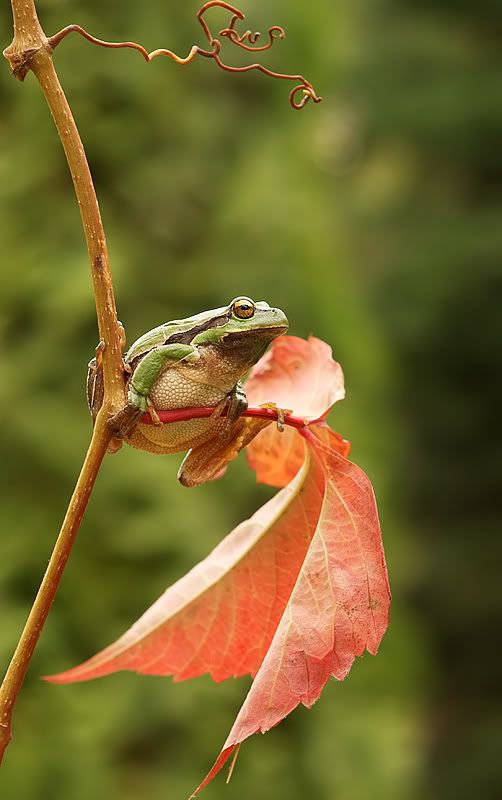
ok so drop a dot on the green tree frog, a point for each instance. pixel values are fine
(197, 361)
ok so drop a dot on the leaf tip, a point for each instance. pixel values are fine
(218, 764)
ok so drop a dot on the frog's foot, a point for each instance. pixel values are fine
(95, 387)
(138, 399)
(124, 421)
(95, 380)
(122, 336)
(100, 348)
(153, 413)
(281, 414)
(114, 446)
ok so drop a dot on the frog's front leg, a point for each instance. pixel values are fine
(237, 402)
(142, 380)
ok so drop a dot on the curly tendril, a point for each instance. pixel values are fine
(299, 96)
(275, 32)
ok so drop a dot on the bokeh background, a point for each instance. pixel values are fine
(374, 220)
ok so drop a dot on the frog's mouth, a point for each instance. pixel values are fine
(246, 337)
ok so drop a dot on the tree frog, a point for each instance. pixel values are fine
(197, 361)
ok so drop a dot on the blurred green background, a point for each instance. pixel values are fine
(374, 220)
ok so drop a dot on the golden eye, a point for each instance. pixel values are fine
(243, 308)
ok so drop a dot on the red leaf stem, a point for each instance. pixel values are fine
(182, 414)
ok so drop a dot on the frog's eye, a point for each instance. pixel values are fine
(243, 308)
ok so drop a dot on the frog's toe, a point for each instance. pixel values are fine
(153, 413)
(137, 399)
(205, 463)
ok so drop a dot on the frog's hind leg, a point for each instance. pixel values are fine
(208, 461)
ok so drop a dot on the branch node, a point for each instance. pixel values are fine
(20, 60)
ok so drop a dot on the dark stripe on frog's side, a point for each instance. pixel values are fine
(185, 337)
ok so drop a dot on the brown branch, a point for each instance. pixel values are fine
(30, 49)
(18, 666)
(109, 331)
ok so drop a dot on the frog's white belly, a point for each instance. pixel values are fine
(175, 436)
(181, 387)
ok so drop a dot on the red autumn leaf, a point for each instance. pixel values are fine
(221, 617)
(276, 457)
(337, 609)
(292, 595)
(297, 373)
